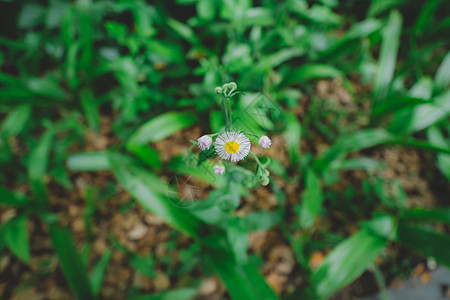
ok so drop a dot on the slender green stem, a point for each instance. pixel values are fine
(257, 160)
(252, 134)
(225, 114)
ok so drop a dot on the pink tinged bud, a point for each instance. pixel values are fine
(265, 142)
(219, 169)
(204, 142)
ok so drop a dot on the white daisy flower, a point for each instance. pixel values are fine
(265, 142)
(204, 142)
(233, 146)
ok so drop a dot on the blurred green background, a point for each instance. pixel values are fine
(101, 199)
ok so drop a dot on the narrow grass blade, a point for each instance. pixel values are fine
(292, 135)
(346, 262)
(37, 166)
(89, 106)
(98, 273)
(388, 56)
(311, 200)
(88, 161)
(73, 267)
(176, 294)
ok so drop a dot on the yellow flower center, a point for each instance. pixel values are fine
(232, 147)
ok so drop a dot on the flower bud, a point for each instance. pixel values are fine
(264, 180)
(218, 90)
(232, 86)
(219, 168)
(265, 142)
(204, 142)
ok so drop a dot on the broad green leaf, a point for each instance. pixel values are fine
(442, 78)
(346, 262)
(388, 56)
(98, 272)
(311, 200)
(146, 154)
(359, 140)
(426, 242)
(161, 127)
(356, 32)
(204, 172)
(46, 87)
(10, 198)
(293, 135)
(311, 71)
(428, 114)
(238, 239)
(152, 194)
(206, 9)
(89, 106)
(436, 138)
(243, 282)
(391, 106)
(182, 30)
(358, 163)
(261, 220)
(176, 294)
(382, 225)
(16, 120)
(427, 215)
(16, 237)
(72, 266)
(88, 161)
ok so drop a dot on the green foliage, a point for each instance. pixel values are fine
(110, 87)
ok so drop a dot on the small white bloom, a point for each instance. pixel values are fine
(204, 142)
(219, 168)
(265, 142)
(233, 146)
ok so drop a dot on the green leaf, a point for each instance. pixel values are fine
(176, 294)
(427, 215)
(388, 56)
(292, 135)
(243, 282)
(99, 272)
(146, 154)
(152, 194)
(358, 163)
(311, 200)
(182, 30)
(9, 198)
(88, 161)
(346, 262)
(382, 225)
(16, 120)
(442, 78)
(436, 138)
(71, 263)
(46, 87)
(358, 140)
(37, 166)
(31, 15)
(428, 114)
(89, 106)
(16, 237)
(426, 242)
(311, 71)
(161, 127)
